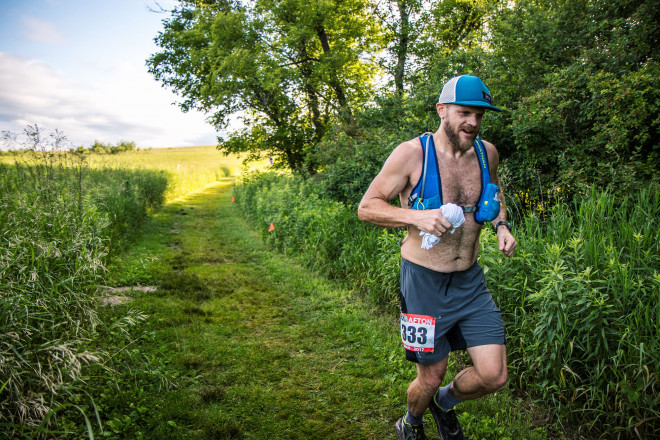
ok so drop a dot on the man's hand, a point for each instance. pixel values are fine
(505, 241)
(431, 221)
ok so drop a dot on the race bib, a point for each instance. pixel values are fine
(418, 332)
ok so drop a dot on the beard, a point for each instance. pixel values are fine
(452, 133)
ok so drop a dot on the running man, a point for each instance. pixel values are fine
(445, 304)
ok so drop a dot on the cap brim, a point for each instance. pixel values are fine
(477, 104)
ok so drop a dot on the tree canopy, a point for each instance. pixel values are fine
(319, 82)
(289, 68)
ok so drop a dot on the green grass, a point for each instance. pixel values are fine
(254, 346)
(62, 215)
(188, 168)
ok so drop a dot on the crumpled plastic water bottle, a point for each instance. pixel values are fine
(454, 214)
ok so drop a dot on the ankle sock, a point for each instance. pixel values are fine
(413, 419)
(446, 399)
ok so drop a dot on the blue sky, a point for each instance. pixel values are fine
(79, 67)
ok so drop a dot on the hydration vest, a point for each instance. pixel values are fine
(427, 193)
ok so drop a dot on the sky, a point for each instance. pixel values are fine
(78, 66)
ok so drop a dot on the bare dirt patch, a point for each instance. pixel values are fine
(111, 297)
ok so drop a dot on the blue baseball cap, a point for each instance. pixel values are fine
(467, 90)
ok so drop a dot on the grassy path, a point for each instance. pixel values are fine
(260, 348)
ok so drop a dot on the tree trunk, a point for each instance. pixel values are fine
(334, 81)
(312, 96)
(402, 47)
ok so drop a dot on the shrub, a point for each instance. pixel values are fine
(580, 304)
(324, 234)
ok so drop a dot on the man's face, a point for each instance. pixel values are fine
(461, 125)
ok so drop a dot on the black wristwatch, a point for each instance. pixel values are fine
(500, 223)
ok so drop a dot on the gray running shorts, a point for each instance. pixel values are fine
(464, 310)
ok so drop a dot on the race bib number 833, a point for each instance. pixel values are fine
(418, 332)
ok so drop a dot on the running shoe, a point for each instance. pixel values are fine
(448, 426)
(406, 431)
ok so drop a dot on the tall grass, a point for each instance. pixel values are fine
(58, 222)
(50, 264)
(580, 297)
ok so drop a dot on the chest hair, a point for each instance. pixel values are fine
(461, 180)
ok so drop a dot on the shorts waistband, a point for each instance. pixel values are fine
(410, 264)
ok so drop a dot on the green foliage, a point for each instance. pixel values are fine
(355, 153)
(620, 112)
(490, 428)
(123, 146)
(579, 297)
(580, 302)
(326, 235)
(100, 147)
(292, 68)
(581, 79)
(125, 197)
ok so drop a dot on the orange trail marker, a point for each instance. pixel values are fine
(272, 228)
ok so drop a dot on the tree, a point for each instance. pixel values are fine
(400, 30)
(580, 78)
(289, 68)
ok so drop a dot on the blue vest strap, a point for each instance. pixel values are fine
(426, 197)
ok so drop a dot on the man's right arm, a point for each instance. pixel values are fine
(388, 184)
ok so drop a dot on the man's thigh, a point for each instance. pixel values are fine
(438, 369)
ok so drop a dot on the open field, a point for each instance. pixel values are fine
(186, 168)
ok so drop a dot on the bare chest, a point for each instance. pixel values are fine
(461, 184)
(461, 181)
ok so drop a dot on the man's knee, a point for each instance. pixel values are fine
(431, 376)
(490, 367)
(494, 379)
(430, 383)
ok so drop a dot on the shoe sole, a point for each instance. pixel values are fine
(399, 431)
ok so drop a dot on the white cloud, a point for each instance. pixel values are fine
(42, 31)
(125, 105)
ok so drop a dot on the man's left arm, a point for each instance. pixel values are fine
(505, 240)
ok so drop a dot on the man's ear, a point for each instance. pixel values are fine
(442, 109)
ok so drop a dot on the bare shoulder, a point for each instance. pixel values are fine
(408, 151)
(406, 157)
(396, 173)
(489, 147)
